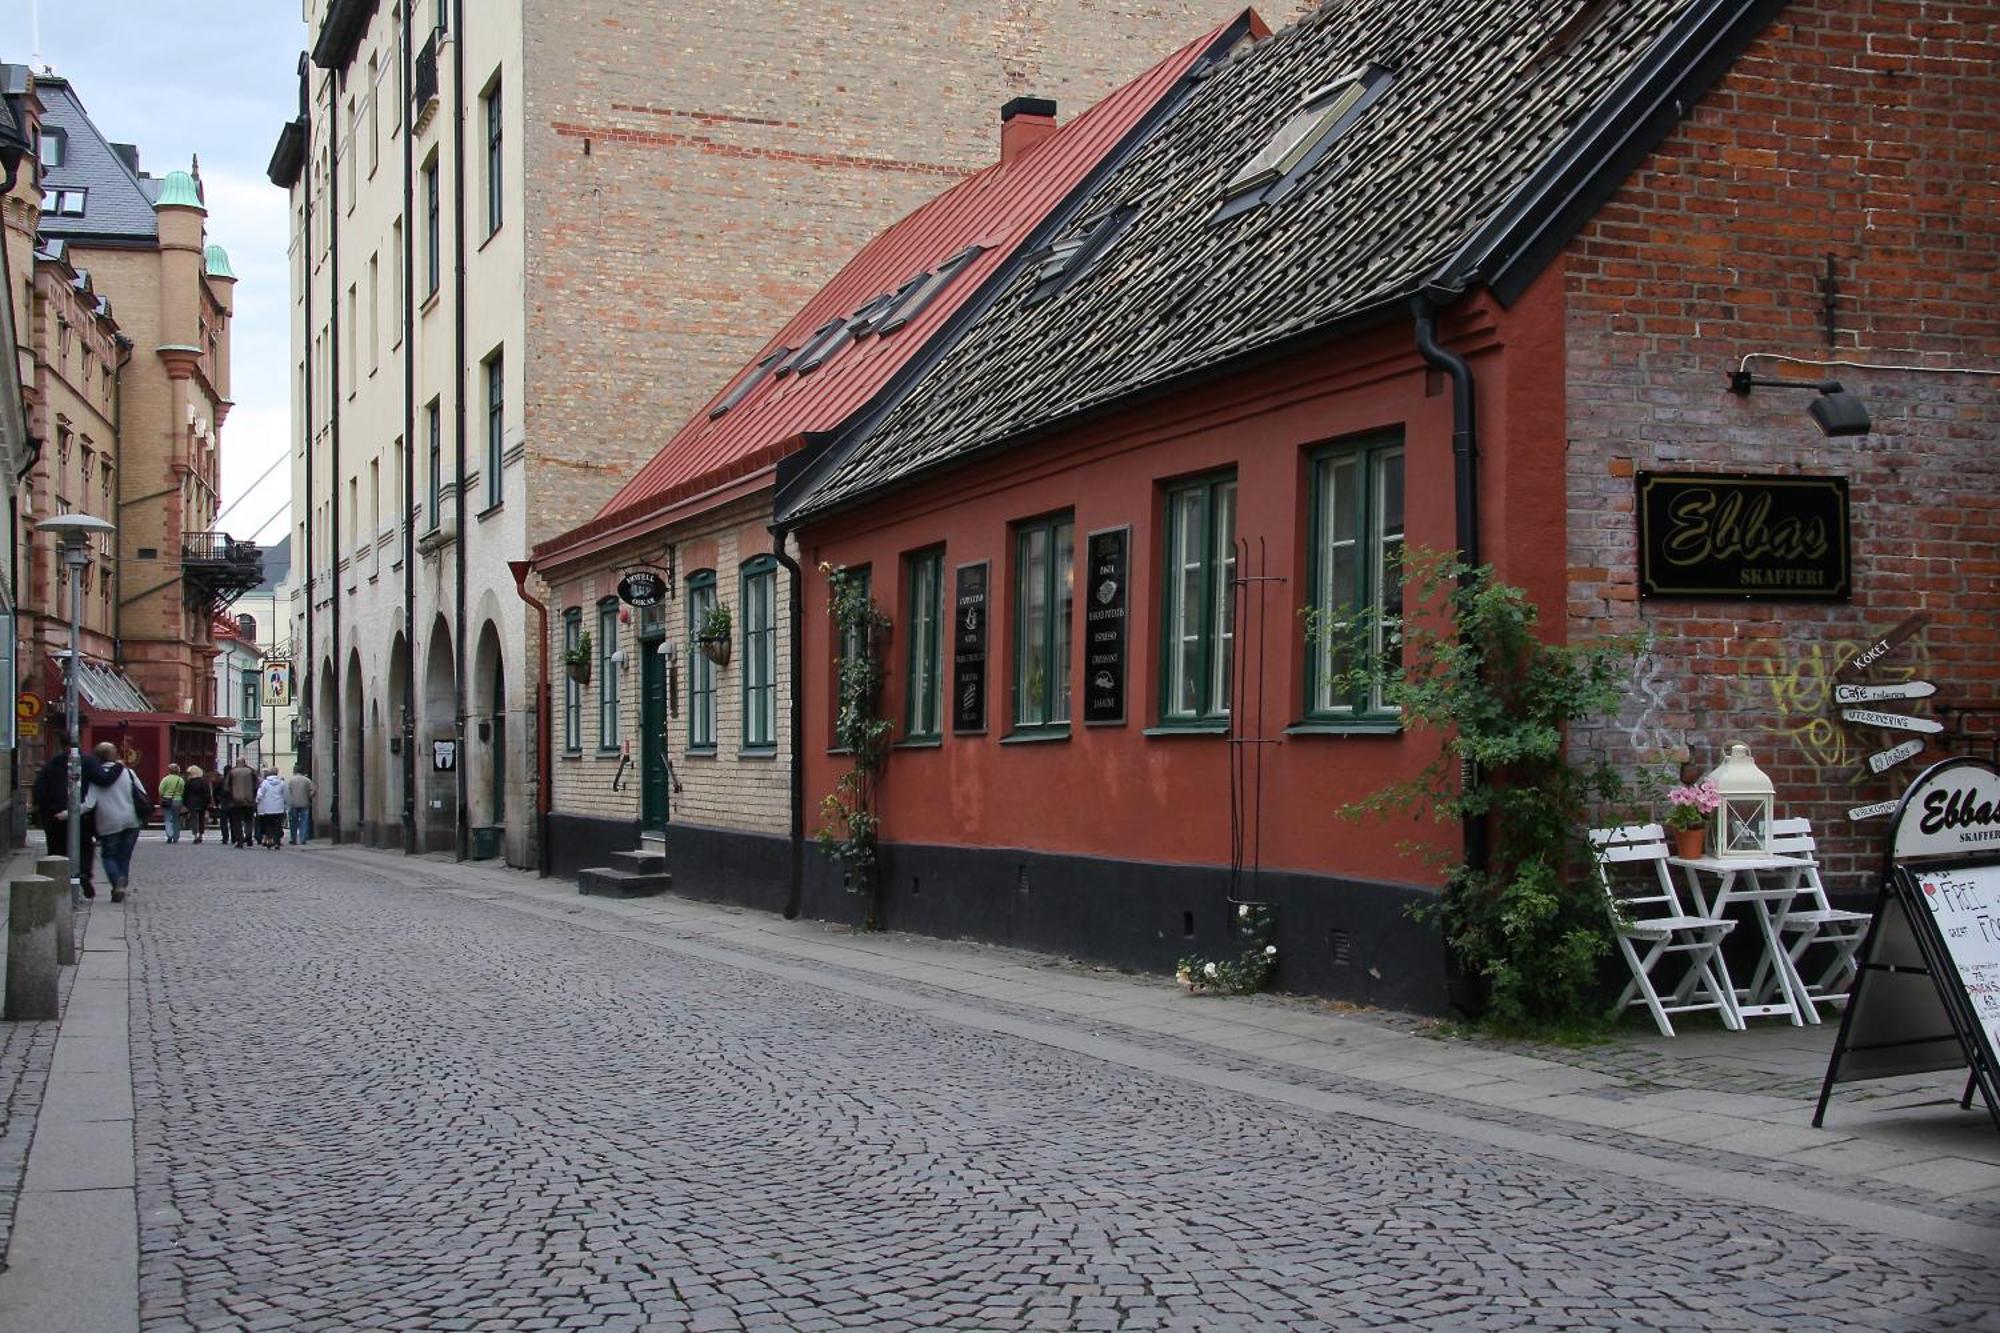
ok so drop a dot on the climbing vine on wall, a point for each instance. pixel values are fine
(849, 825)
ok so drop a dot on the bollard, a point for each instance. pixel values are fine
(57, 869)
(31, 948)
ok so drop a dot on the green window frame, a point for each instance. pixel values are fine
(572, 688)
(434, 496)
(1197, 601)
(760, 653)
(1044, 588)
(495, 171)
(433, 250)
(496, 428)
(1357, 546)
(923, 709)
(607, 674)
(701, 671)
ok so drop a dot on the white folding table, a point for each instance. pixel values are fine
(1766, 885)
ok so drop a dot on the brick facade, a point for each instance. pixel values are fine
(1864, 133)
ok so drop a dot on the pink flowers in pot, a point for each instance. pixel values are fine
(1689, 806)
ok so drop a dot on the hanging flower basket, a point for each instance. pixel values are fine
(578, 672)
(715, 648)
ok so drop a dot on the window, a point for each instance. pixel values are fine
(249, 691)
(607, 674)
(496, 435)
(55, 147)
(374, 91)
(1044, 580)
(351, 149)
(374, 313)
(1198, 615)
(760, 654)
(572, 690)
(1321, 117)
(494, 179)
(1070, 258)
(433, 257)
(701, 671)
(921, 711)
(1357, 544)
(434, 499)
(353, 322)
(63, 203)
(748, 383)
(922, 291)
(396, 284)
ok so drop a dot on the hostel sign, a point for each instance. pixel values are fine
(1780, 539)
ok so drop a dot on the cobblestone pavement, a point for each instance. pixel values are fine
(362, 1105)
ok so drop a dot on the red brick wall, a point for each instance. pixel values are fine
(1862, 129)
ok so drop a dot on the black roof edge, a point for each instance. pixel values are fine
(289, 155)
(810, 466)
(1557, 200)
(1386, 311)
(340, 35)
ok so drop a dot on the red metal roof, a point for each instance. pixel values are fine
(996, 208)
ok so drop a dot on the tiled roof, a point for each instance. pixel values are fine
(997, 208)
(116, 205)
(1501, 127)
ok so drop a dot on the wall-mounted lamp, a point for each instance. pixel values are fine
(619, 659)
(1835, 411)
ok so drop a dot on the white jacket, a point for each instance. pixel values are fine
(111, 805)
(271, 796)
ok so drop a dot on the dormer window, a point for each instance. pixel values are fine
(1322, 117)
(54, 148)
(63, 203)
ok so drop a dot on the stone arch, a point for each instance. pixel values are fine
(353, 752)
(394, 815)
(437, 788)
(325, 742)
(486, 773)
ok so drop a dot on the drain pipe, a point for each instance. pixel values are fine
(795, 891)
(1465, 489)
(520, 569)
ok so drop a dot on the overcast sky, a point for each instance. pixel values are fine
(215, 78)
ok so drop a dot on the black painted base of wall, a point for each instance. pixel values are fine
(578, 842)
(1346, 939)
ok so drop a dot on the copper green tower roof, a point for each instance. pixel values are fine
(218, 263)
(179, 190)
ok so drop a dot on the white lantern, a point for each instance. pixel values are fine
(1743, 820)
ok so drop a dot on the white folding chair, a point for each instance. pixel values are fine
(1812, 920)
(1646, 909)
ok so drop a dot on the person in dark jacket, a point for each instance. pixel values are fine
(195, 798)
(242, 802)
(51, 795)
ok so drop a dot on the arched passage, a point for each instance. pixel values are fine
(394, 814)
(486, 779)
(437, 744)
(325, 744)
(353, 754)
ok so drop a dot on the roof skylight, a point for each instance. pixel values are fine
(1321, 117)
(1069, 258)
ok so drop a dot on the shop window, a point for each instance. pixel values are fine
(1356, 584)
(1044, 584)
(760, 654)
(572, 689)
(701, 671)
(924, 625)
(1198, 602)
(607, 674)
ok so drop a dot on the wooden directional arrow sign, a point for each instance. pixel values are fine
(1885, 760)
(1873, 811)
(1893, 721)
(1883, 646)
(1868, 694)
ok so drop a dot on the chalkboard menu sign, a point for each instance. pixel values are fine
(1927, 996)
(1104, 625)
(1778, 539)
(968, 650)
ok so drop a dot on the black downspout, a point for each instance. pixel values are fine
(458, 409)
(407, 723)
(795, 892)
(308, 554)
(118, 434)
(1465, 491)
(333, 441)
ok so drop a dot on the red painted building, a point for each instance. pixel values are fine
(1444, 276)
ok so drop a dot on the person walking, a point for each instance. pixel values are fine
(115, 807)
(172, 788)
(218, 804)
(271, 810)
(194, 799)
(298, 805)
(51, 796)
(242, 801)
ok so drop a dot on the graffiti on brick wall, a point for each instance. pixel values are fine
(1796, 684)
(1646, 719)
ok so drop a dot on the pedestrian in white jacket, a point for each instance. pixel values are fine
(271, 810)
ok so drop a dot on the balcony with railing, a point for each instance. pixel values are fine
(424, 87)
(216, 569)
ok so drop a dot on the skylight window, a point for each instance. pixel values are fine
(749, 382)
(63, 203)
(1322, 117)
(927, 290)
(1071, 257)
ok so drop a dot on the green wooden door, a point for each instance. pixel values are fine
(652, 737)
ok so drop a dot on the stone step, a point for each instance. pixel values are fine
(609, 882)
(642, 862)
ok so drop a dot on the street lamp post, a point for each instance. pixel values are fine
(73, 534)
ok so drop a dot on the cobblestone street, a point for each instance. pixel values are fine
(373, 1099)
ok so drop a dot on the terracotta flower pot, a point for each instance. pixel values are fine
(1689, 843)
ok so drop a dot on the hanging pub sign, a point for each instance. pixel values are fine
(1104, 626)
(1926, 997)
(1766, 538)
(642, 588)
(968, 649)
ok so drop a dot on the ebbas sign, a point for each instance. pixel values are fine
(1777, 539)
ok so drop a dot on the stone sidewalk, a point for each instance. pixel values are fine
(1747, 1096)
